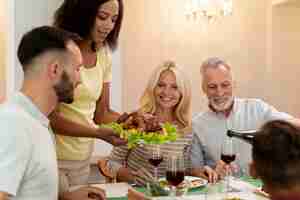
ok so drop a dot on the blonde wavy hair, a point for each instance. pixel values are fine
(183, 108)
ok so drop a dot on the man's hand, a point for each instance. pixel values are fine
(110, 136)
(205, 172)
(211, 174)
(85, 193)
(223, 169)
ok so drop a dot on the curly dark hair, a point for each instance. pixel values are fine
(276, 154)
(79, 16)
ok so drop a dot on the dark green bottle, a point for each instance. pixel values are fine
(246, 136)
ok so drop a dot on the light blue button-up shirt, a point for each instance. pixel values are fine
(28, 166)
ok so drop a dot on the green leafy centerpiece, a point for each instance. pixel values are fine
(137, 137)
(140, 129)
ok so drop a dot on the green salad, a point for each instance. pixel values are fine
(136, 137)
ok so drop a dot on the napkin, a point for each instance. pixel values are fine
(241, 185)
(114, 189)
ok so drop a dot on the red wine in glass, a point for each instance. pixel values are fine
(155, 161)
(228, 158)
(155, 157)
(175, 172)
(174, 178)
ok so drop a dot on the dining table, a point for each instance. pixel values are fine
(243, 188)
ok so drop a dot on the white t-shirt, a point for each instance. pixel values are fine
(28, 166)
(209, 129)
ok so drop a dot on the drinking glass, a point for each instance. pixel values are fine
(175, 172)
(154, 157)
(228, 155)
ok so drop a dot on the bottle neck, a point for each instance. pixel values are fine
(246, 136)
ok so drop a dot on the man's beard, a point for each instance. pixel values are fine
(221, 103)
(64, 89)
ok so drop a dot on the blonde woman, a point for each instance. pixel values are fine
(168, 97)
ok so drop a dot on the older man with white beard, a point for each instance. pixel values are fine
(225, 112)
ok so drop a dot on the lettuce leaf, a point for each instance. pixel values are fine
(136, 137)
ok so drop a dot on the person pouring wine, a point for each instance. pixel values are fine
(276, 159)
(225, 112)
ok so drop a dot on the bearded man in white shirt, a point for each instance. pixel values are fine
(51, 60)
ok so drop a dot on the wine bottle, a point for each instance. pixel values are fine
(246, 136)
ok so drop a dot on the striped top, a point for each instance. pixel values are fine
(138, 157)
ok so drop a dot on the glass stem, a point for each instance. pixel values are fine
(227, 181)
(155, 174)
(173, 191)
(115, 179)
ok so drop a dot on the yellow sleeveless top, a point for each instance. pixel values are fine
(83, 108)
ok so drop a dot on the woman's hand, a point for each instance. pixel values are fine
(110, 136)
(126, 175)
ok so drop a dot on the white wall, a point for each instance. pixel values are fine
(3, 48)
(10, 47)
(27, 17)
(285, 70)
(157, 30)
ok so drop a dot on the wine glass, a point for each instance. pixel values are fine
(175, 172)
(227, 155)
(155, 158)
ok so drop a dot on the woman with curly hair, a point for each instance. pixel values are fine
(98, 23)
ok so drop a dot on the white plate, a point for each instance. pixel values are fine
(194, 182)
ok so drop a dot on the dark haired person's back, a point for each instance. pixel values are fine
(276, 159)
